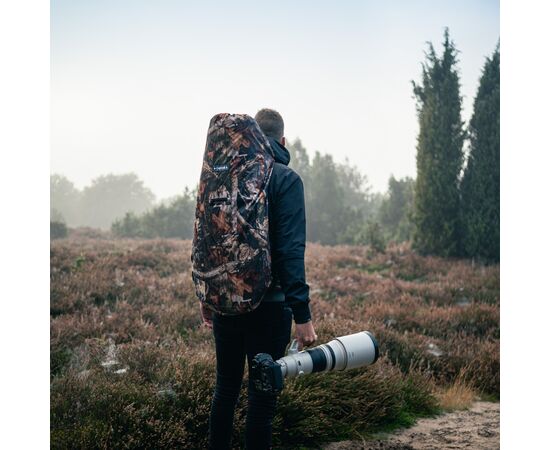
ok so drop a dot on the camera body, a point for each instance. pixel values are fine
(344, 352)
(266, 374)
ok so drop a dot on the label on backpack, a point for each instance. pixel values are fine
(220, 168)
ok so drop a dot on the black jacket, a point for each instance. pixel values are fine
(287, 234)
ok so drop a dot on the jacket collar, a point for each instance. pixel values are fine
(280, 153)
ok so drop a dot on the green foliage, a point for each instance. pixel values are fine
(174, 220)
(375, 237)
(100, 408)
(396, 210)
(129, 226)
(439, 154)
(326, 407)
(481, 181)
(366, 233)
(58, 230)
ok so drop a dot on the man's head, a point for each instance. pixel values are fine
(271, 123)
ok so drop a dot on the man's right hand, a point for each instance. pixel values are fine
(305, 334)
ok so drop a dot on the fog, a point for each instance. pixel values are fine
(134, 84)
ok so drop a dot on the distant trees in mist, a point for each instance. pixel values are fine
(340, 207)
(338, 198)
(396, 208)
(107, 198)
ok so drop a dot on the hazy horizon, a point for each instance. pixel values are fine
(134, 84)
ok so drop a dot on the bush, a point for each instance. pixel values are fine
(162, 401)
(174, 220)
(58, 230)
(365, 233)
(375, 237)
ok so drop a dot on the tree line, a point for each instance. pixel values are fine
(341, 209)
(457, 191)
(452, 208)
(97, 205)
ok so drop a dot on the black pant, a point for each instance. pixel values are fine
(264, 330)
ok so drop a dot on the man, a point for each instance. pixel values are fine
(267, 329)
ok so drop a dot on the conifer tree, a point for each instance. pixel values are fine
(481, 181)
(439, 154)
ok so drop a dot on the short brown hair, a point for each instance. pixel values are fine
(271, 123)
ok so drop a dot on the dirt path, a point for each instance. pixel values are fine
(477, 428)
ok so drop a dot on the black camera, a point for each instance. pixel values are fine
(266, 374)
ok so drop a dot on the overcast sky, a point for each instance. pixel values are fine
(135, 83)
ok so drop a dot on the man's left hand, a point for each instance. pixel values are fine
(206, 315)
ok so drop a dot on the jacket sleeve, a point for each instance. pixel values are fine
(288, 245)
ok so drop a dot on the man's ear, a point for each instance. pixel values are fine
(283, 141)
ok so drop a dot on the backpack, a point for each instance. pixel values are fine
(231, 253)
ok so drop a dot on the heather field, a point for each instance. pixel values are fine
(131, 367)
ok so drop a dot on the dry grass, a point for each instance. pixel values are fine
(456, 397)
(131, 367)
(459, 395)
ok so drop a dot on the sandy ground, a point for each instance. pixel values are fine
(477, 428)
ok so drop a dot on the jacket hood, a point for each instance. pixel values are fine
(280, 153)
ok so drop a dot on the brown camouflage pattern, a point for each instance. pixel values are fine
(231, 255)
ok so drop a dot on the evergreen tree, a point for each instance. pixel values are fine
(481, 181)
(439, 154)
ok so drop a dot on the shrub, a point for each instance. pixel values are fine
(375, 237)
(58, 230)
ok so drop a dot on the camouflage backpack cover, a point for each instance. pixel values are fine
(231, 254)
